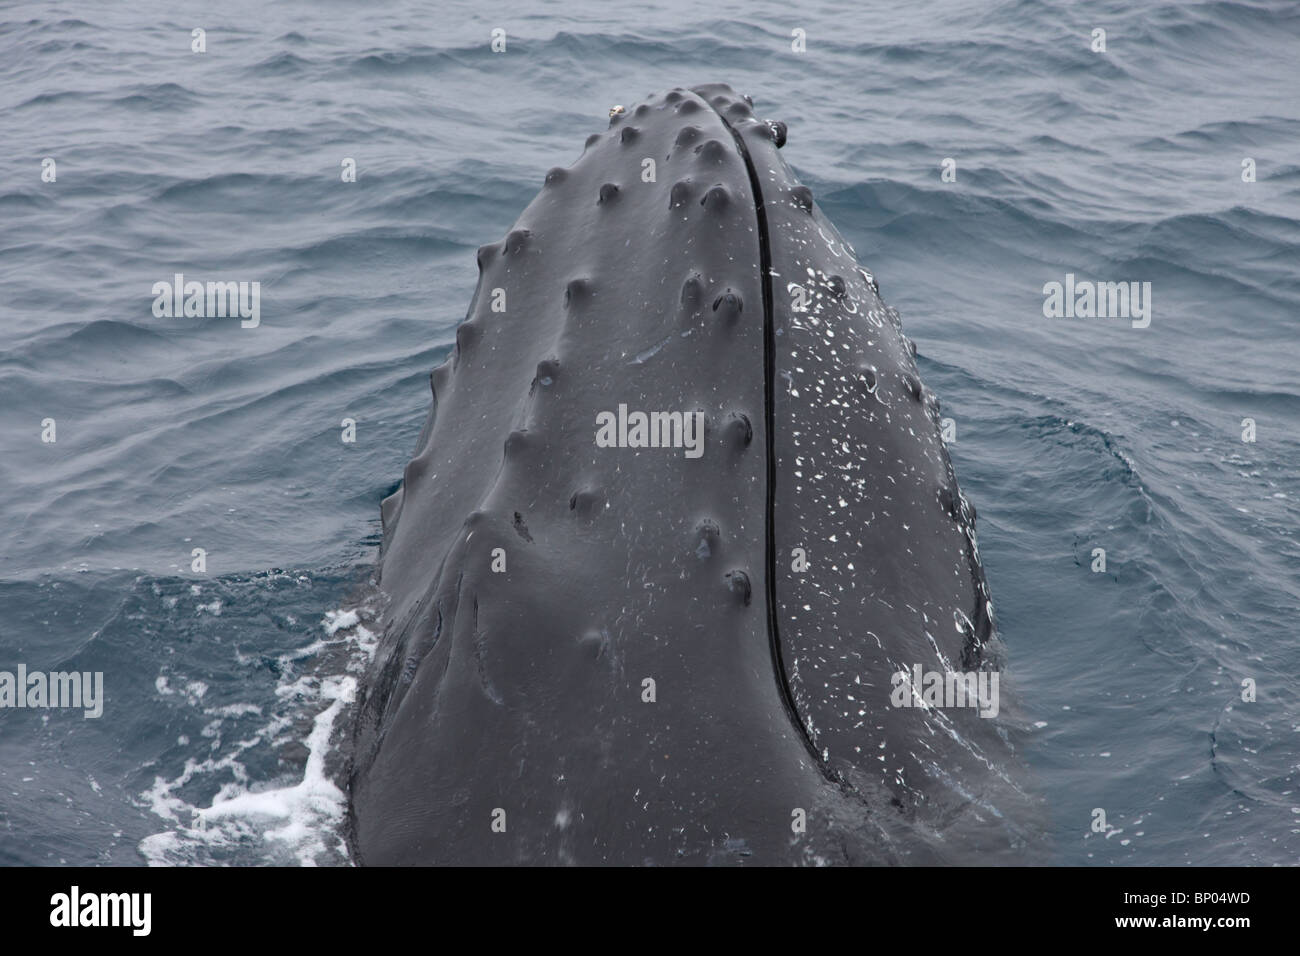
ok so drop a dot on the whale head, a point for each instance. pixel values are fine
(680, 517)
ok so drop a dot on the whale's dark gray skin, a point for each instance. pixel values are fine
(770, 588)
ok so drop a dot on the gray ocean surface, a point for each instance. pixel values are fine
(226, 690)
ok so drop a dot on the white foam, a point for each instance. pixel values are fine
(280, 821)
(311, 808)
(340, 620)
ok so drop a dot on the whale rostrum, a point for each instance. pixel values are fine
(700, 635)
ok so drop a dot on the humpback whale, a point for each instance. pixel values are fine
(612, 650)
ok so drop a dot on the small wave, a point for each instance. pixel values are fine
(280, 64)
(156, 96)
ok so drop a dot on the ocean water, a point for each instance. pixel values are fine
(226, 688)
